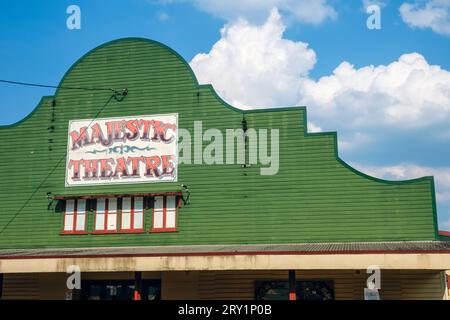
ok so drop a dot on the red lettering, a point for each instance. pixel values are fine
(151, 166)
(90, 168)
(79, 139)
(119, 130)
(167, 164)
(135, 164)
(145, 129)
(105, 167)
(97, 135)
(160, 129)
(132, 126)
(121, 167)
(76, 169)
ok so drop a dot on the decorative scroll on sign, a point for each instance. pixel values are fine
(138, 149)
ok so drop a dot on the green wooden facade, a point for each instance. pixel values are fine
(315, 197)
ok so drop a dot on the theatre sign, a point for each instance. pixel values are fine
(138, 149)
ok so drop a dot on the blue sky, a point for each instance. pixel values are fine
(386, 91)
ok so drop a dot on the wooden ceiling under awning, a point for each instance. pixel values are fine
(244, 261)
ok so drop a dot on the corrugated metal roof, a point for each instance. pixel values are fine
(303, 248)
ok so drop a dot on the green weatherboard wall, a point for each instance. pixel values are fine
(315, 197)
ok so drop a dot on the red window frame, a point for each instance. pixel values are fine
(75, 215)
(132, 214)
(164, 228)
(106, 213)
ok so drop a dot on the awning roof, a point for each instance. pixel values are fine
(397, 247)
(410, 255)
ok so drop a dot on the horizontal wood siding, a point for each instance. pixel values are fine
(237, 285)
(24, 286)
(180, 285)
(315, 197)
(348, 285)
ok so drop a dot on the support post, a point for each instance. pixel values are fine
(292, 285)
(1, 285)
(447, 277)
(137, 285)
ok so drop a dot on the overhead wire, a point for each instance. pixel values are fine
(117, 95)
(29, 84)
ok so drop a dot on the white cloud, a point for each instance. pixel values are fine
(309, 11)
(354, 140)
(254, 66)
(305, 11)
(368, 3)
(443, 135)
(443, 196)
(408, 171)
(312, 127)
(163, 16)
(446, 224)
(434, 14)
(408, 93)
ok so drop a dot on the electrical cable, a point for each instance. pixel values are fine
(114, 95)
(55, 87)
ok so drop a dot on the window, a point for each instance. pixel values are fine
(119, 289)
(119, 214)
(315, 290)
(75, 216)
(132, 216)
(164, 214)
(306, 290)
(106, 215)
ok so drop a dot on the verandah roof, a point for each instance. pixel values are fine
(409, 255)
(247, 249)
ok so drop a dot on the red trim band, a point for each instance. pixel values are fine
(95, 196)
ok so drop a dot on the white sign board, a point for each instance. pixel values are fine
(138, 149)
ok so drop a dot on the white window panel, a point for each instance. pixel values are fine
(70, 206)
(100, 208)
(138, 204)
(100, 215)
(138, 220)
(157, 219)
(126, 220)
(112, 205)
(99, 221)
(112, 222)
(81, 214)
(81, 206)
(68, 215)
(138, 213)
(126, 213)
(112, 214)
(170, 212)
(158, 212)
(81, 219)
(68, 222)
